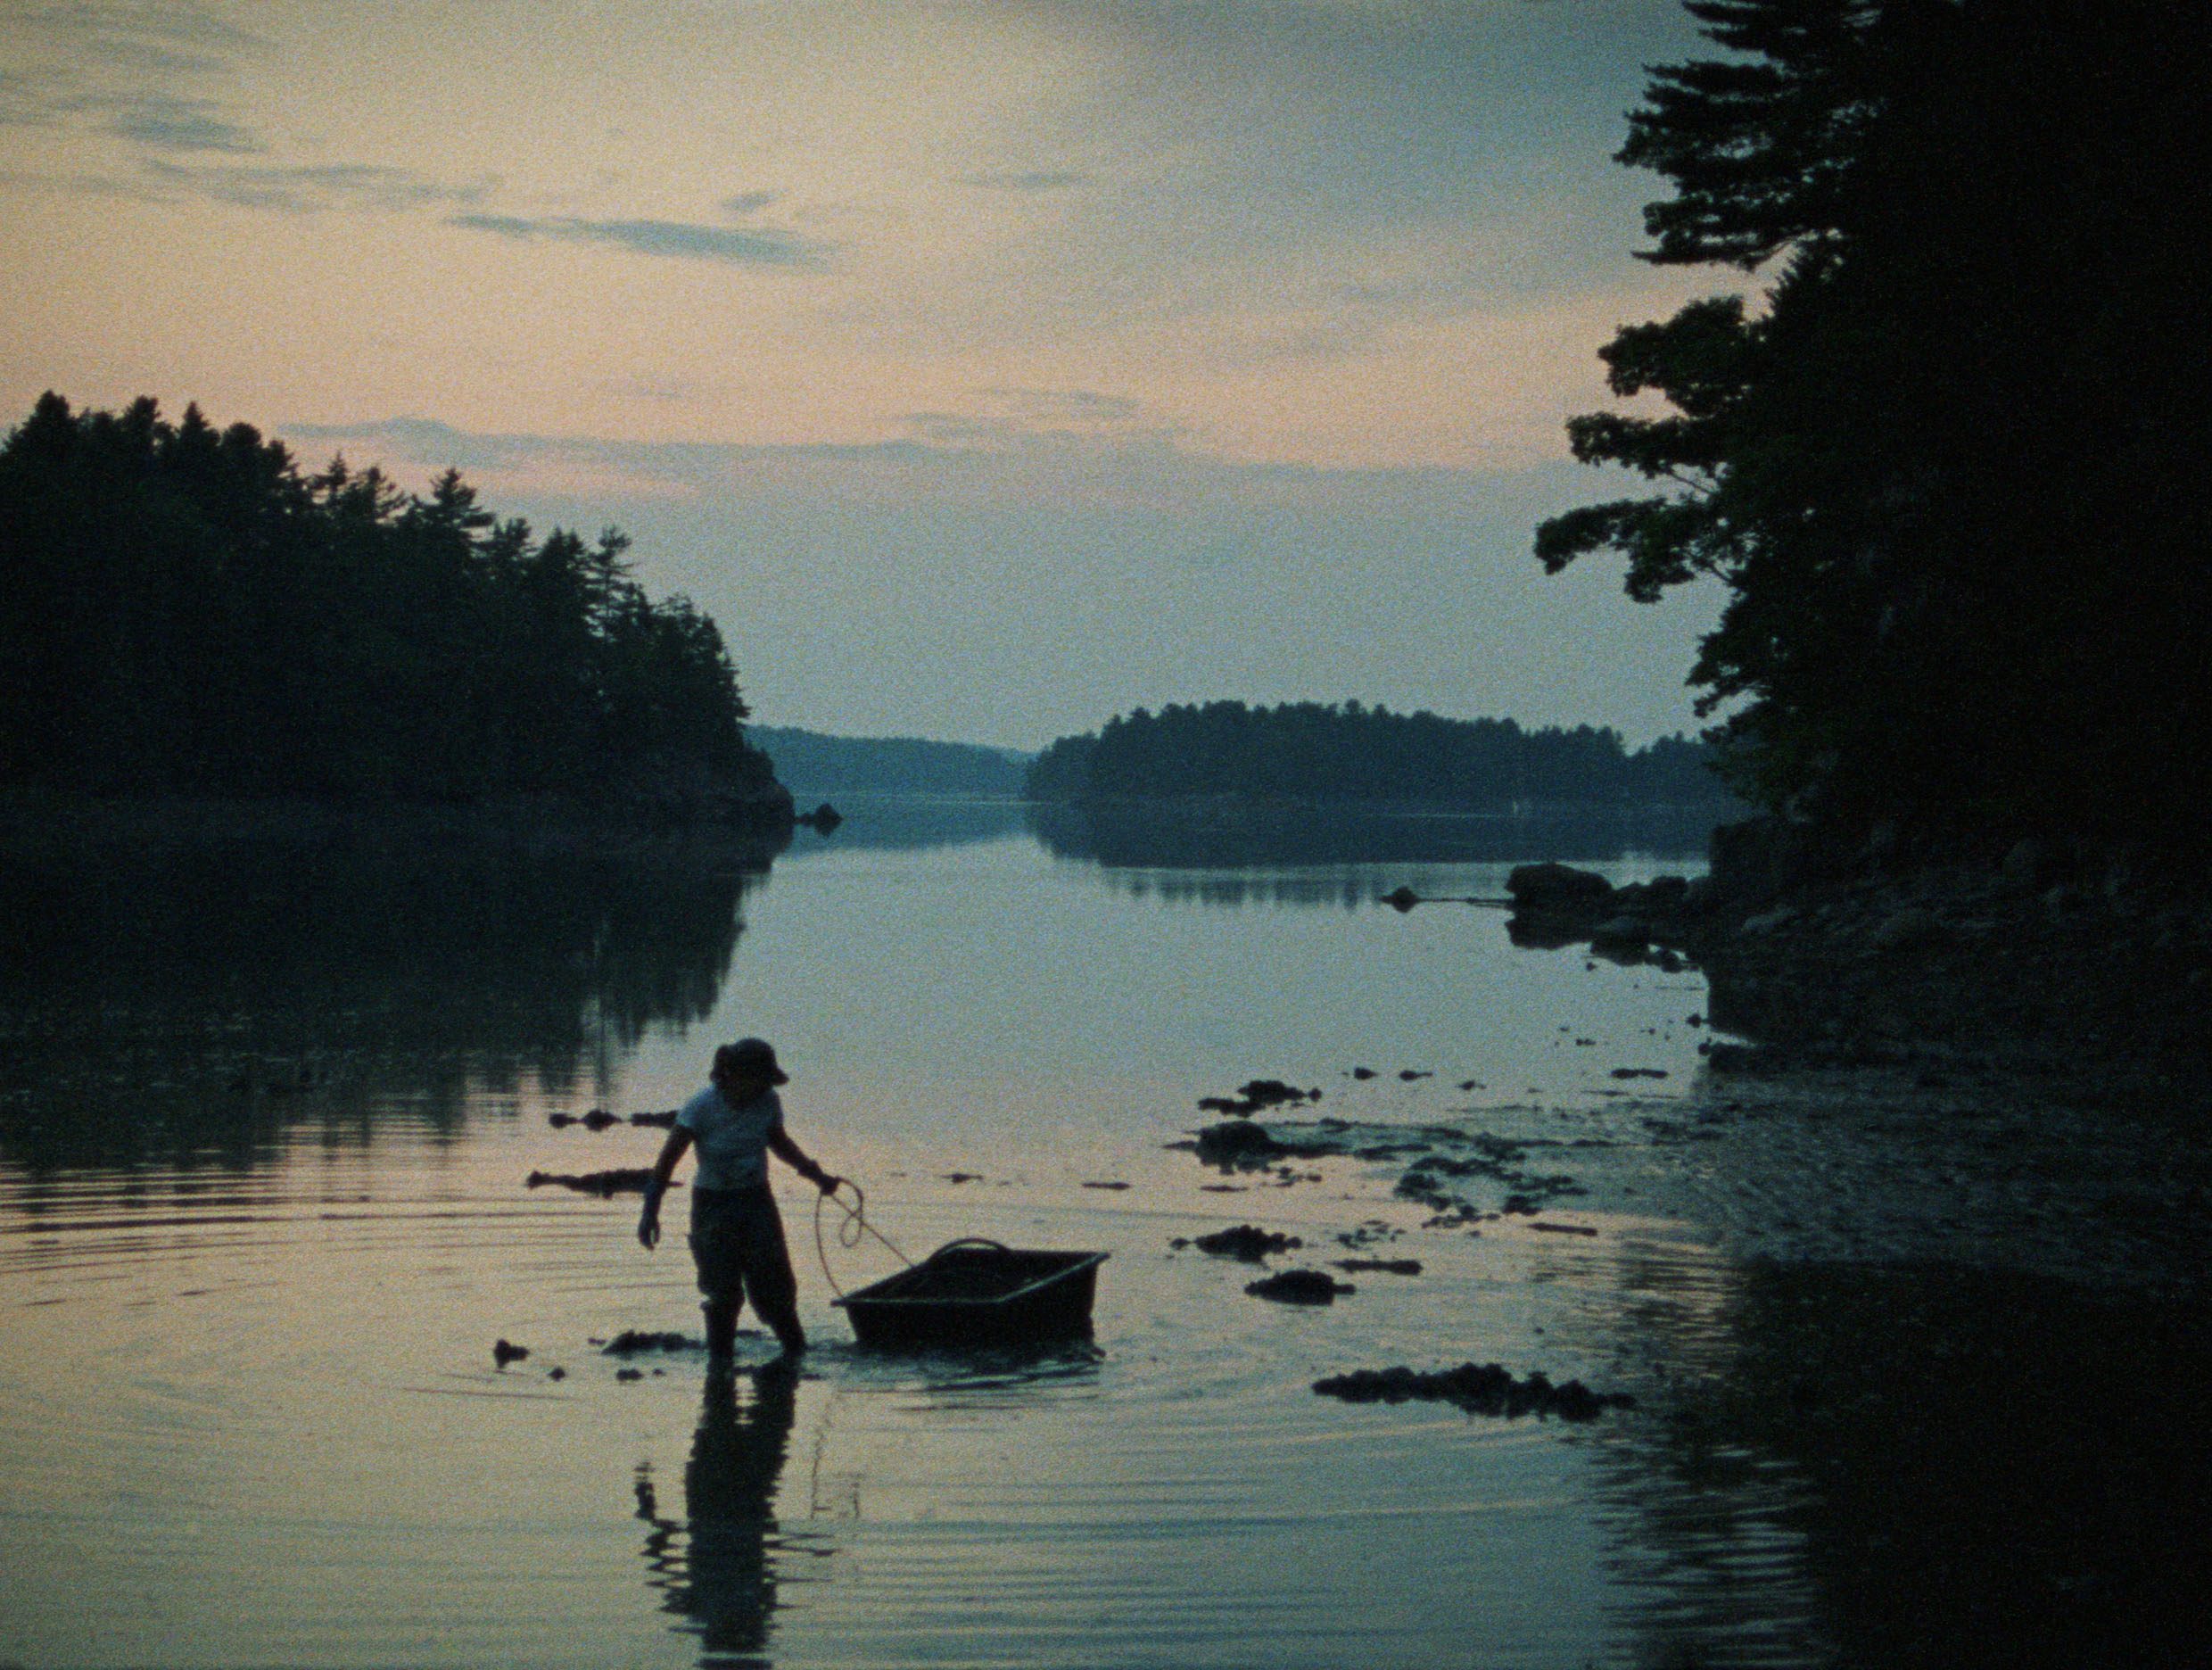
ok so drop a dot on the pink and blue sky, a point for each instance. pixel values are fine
(984, 369)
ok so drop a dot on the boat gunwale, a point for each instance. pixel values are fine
(1084, 1261)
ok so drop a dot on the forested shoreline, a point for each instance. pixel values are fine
(1948, 465)
(811, 763)
(191, 615)
(1346, 752)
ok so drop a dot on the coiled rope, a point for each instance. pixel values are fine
(850, 1231)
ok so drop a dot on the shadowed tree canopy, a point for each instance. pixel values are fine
(1948, 463)
(189, 613)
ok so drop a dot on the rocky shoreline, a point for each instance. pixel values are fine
(2092, 966)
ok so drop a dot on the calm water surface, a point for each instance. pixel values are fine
(263, 1214)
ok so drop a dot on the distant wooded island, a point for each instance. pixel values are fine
(1348, 752)
(811, 764)
(191, 614)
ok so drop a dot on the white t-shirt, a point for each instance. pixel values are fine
(733, 1142)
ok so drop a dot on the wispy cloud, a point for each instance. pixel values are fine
(1002, 420)
(23, 104)
(1067, 406)
(1028, 180)
(147, 43)
(678, 240)
(102, 24)
(162, 123)
(312, 189)
(83, 184)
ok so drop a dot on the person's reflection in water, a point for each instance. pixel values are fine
(723, 1580)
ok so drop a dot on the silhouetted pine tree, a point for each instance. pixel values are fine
(1949, 466)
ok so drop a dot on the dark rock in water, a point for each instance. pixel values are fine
(657, 1121)
(1556, 905)
(1470, 1084)
(1411, 1073)
(1535, 932)
(1518, 1206)
(1564, 1229)
(1639, 1072)
(1550, 884)
(1388, 1265)
(1485, 1390)
(823, 819)
(1744, 1058)
(630, 1342)
(1255, 1095)
(1247, 1241)
(1300, 1286)
(1363, 1072)
(1237, 1143)
(629, 1374)
(560, 1121)
(964, 1177)
(624, 1180)
(1106, 1186)
(1401, 899)
(598, 1120)
(503, 1353)
(556, 1374)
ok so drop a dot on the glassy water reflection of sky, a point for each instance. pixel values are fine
(262, 1214)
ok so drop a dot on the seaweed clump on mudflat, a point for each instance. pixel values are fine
(1486, 1389)
(630, 1342)
(607, 1184)
(1246, 1242)
(1256, 1094)
(1300, 1286)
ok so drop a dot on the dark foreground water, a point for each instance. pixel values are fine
(1919, 1362)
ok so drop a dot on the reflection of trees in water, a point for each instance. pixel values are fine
(200, 1006)
(1231, 890)
(717, 1567)
(1200, 834)
(1919, 1466)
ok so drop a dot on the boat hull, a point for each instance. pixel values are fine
(978, 1293)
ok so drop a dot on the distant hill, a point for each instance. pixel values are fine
(815, 766)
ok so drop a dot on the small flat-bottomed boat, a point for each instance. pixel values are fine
(975, 1291)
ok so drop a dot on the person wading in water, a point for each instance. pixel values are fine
(736, 1235)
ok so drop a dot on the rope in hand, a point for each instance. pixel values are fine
(850, 1231)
